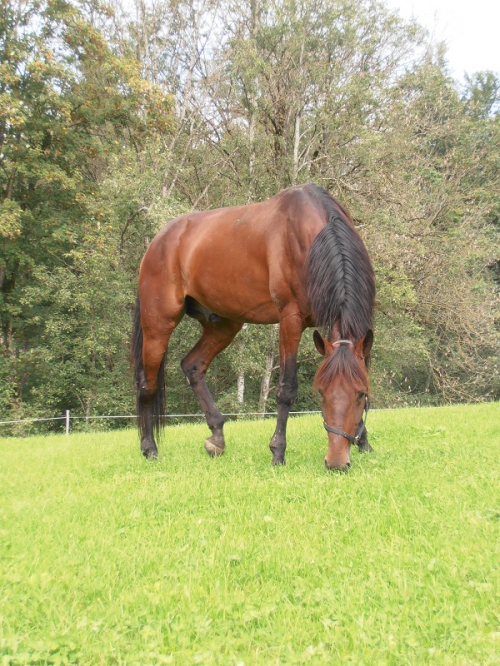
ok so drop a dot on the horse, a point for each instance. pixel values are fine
(295, 259)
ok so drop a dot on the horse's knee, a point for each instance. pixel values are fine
(287, 393)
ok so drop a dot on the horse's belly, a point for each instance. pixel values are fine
(237, 299)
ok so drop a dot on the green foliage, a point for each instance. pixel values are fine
(83, 338)
(107, 558)
(95, 157)
(482, 94)
(69, 108)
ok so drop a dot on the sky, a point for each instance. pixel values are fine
(470, 29)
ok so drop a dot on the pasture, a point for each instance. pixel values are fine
(106, 558)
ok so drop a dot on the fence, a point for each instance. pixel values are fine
(68, 418)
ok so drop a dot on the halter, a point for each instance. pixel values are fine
(360, 431)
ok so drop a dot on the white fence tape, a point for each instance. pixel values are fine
(134, 416)
(52, 418)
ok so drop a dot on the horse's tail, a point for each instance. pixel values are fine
(158, 401)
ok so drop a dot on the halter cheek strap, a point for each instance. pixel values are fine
(360, 431)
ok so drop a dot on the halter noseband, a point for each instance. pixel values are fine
(360, 431)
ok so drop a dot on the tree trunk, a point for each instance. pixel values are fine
(296, 147)
(240, 390)
(240, 385)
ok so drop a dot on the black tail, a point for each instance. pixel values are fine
(143, 404)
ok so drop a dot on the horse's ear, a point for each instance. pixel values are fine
(323, 346)
(367, 343)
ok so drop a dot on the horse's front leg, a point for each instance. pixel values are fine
(363, 444)
(291, 328)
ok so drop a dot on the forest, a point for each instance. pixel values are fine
(116, 117)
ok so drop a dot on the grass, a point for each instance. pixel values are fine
(106, 558)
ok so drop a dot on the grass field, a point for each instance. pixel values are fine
(106, 558)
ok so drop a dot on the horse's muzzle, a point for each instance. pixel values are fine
(337, 468)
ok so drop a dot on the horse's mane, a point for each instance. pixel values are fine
(341, 283)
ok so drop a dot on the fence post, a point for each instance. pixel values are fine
(67, 421)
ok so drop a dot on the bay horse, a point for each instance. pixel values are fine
(295, 259)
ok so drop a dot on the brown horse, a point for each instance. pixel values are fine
(295, 259)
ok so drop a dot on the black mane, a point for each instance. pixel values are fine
(341, 282)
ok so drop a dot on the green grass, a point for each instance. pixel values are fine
(106, 558)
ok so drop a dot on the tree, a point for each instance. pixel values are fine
(68, 104)
(112, 124)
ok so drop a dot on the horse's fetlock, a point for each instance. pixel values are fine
(216, 424)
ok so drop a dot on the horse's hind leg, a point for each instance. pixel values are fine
(150, 391)
(158, 319)
(215, 337)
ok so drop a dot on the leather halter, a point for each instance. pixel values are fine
(360, 431)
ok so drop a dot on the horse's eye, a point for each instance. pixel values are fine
(361, 395)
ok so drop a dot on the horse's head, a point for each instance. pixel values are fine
(342, 380)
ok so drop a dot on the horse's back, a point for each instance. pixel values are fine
(242, 262)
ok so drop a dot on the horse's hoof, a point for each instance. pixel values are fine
(212, 449)
(150, 453)
(278, 461)
(149, 449)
